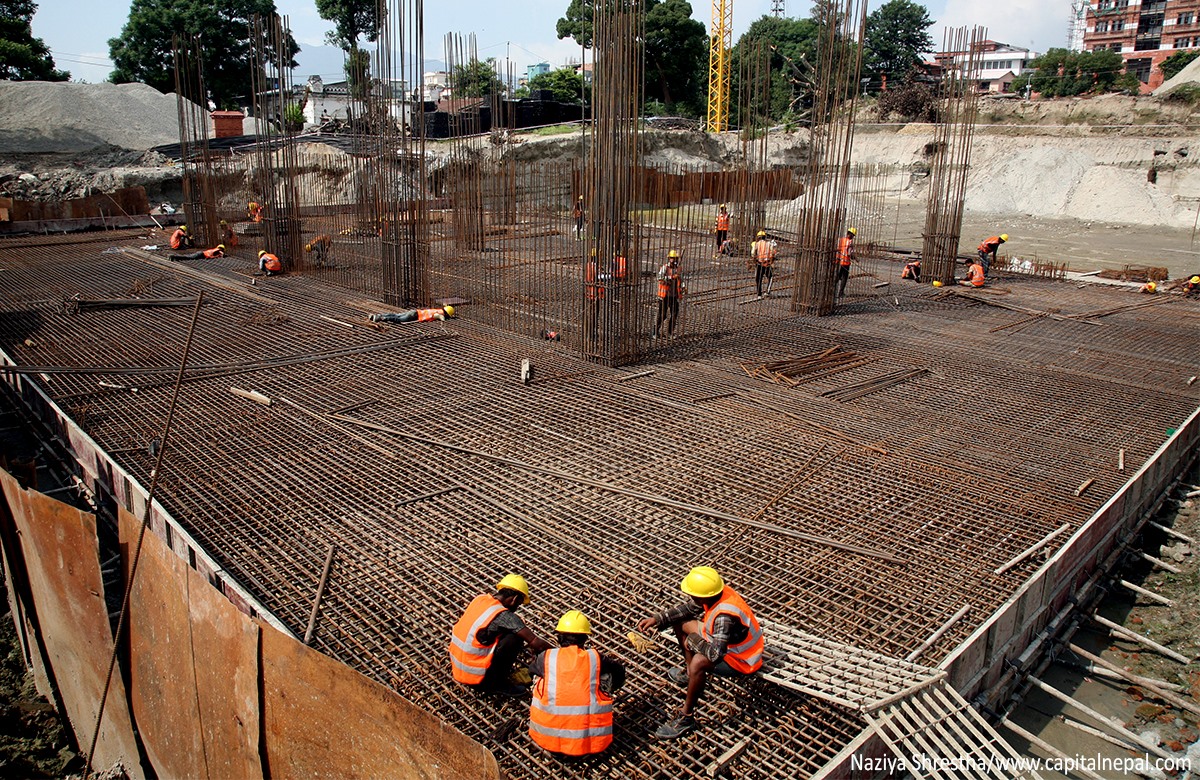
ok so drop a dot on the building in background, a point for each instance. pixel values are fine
(999, 64)
(1144, 33)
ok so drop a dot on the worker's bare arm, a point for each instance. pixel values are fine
(533, 641)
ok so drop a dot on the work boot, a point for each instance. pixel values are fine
(374, 318)
(679, 676)
(684, 724)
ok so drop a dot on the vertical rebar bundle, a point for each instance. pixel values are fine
(274, 105)
(612, 256)
(952, 152)
(823, 220)
(199, 203)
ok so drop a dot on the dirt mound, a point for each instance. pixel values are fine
(41, 117)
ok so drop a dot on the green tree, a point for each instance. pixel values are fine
(23, 57)
(577, 23)
(352, 19)
(1062, 73)
(143, 50)
(1171, 66)
(477, 78)
(793, 47)
(676, 55)
(564, 83)
(895, 37)
(358, 75)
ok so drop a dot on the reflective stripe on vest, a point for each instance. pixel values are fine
(990, 245)
(723, 222)
(211, 253)
(845, 246)
(271, 263)
(669, 287)
(470, 659)
(569, 713)
(746, 656)
(425, 315)
(763, 251)
(975, 275)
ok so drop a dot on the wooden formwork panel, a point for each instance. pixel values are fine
(194, 669)
(61, 552)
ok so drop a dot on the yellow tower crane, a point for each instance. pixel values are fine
(720, 47)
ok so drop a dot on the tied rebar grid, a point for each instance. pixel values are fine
(424, 527)
(275, 184)
(823, 220)
(952, 152)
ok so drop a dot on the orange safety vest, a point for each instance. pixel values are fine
(230, 238)
(764, 253)
(845, 250)
(214, 252)
(621, 267)
(745, 657)
(671, 286)
(425, 315)
(594, 291)
(270, 262)
(975, 275)
(256, 212)
(177, 239)
(990, 245)
(911, 269)
(470, 659)
(723, 222)
(569, 713)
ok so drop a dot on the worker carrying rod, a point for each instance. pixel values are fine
(486, 640)
(718, 634)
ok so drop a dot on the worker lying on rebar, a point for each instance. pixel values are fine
(912, 270)
(268, 263)
(486, 640)
(415, 315)
(206, 254)
(718, 634)
(571, 711)
(180, 238)
(321, 248)
(763, 251)
(976, 276)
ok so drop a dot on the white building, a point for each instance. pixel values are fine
(999, 64)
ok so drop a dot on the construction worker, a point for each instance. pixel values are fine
(180, 238)
(416, 315)
(571, 711)
(228, 237)
(987, 251)
(486, 640)
(577, 213)
(268, 263)
(975, 275)
(593, 286)
(764, 251)
(718, 634)
(722, 229)
(206, 254)
(845, 256)
(254, 211)
(1192, 286)
(1149, 288)
(321, 248)
(912, 270)
(670, 290)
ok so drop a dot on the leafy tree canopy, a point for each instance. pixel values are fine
(676, 55)
(477, 78)
(23, 57)
(1062, 73)
(577, 23)
(352, 19)
(792, 46)
(564, 83)
(1171, 66)
(895, 37)
(143, 50)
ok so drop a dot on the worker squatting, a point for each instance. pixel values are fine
(571, 711)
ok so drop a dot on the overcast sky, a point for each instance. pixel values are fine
(77, 31)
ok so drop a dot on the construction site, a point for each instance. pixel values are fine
(252, 508)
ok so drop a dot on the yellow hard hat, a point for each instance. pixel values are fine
(1152, 287)
(1004, 236)
(223, 222)
(262, 252)
(581, 197)
(221, 247)
(702, 582)
(937, 284)
(722, 205)
(1195, 280)
(593, 252)
(450, 313)
(183, 228)
(574, 622)
(762, 234)
(673, 253)
(308, 247)
(252, 204)
(515, 582)
(852, 231)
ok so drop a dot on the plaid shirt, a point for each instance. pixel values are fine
(727, 630)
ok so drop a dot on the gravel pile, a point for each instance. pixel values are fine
(42, 117)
